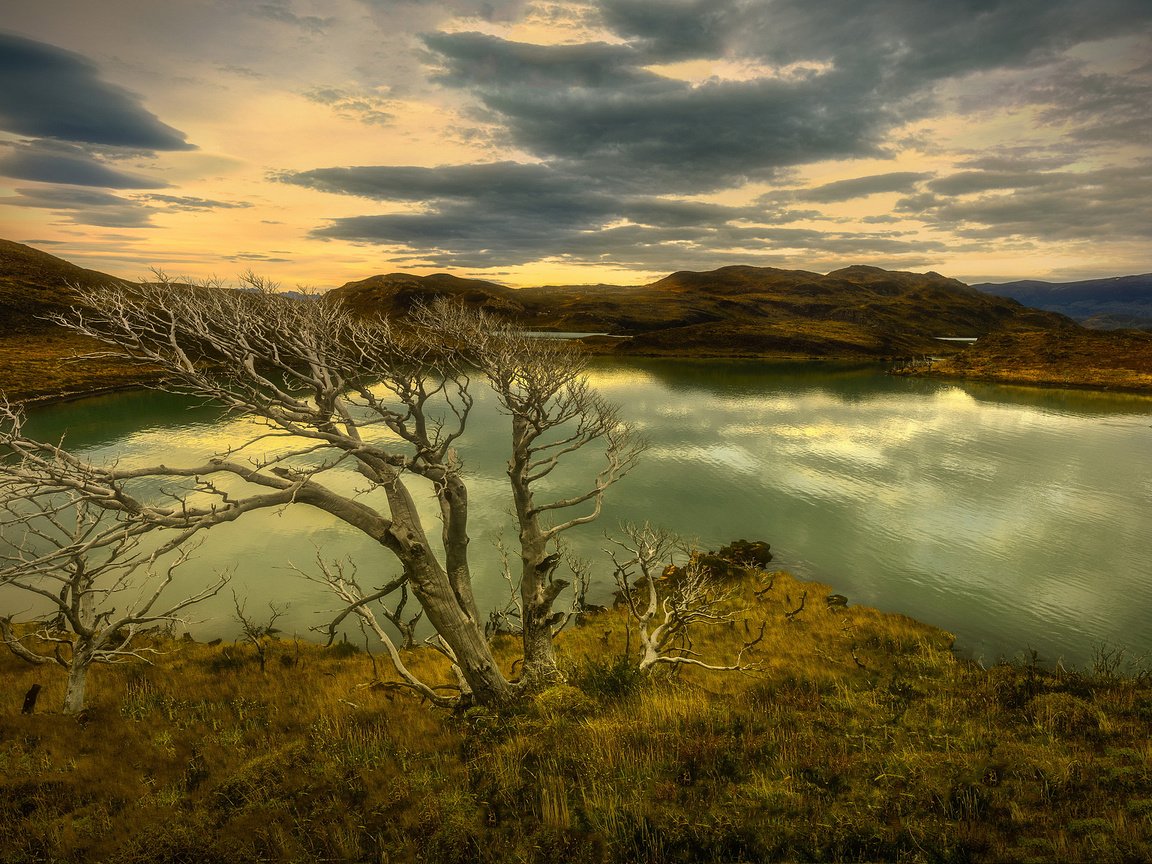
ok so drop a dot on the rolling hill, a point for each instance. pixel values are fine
(34, 283)
(856, 313)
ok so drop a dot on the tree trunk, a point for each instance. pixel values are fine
(447, 610)
(450, 614)
(74, 695)
(537, 589)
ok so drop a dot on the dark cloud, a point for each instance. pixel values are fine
(85, 206)
(1102, 205)
(907, 41)
(622, 146)
(479, 60)
(509, 213)
(859, 187)
(1100, 107)
(60, 198)
(595, 108)
(185, 203)
(258, 257)
(58, 162)
(46, 92)
(970, 182)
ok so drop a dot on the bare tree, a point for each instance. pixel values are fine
(327, 392)
(542, 385)
(667, 602)
(256, 634)
(92, 571)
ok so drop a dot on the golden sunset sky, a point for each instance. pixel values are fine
(578, 142)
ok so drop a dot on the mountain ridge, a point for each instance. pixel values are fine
(1115, 302)
(859, 313)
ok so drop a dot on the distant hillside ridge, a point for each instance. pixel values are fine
(34, 283)
(1108, 304)
(855, 312)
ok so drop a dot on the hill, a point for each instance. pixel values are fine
(34, 283)
(856, 312)
(1070, 357)
(1107, 304)
(38, 358)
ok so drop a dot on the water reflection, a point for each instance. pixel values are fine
(1017, 518)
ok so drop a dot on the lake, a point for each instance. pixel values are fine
(1017, 518)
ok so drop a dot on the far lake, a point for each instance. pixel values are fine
(1017, 518)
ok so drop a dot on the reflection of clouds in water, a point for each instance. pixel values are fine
(728, 456)
(607, 380)
(814, 482)
(1004, 517)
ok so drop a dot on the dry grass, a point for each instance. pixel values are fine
(1073, 357)
(862, 739)
(44, 365)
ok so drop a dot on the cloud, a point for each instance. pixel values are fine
(896, 42)
(59, 162)
(595, 108)
(63, 198)
(279, 11)
(508, 213)
(192, 204)
(860, 187)
(46, 92)
(258, 257)
(85, 206)
(1106, 204)
(363, 105)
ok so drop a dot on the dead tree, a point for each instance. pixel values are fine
(327, 393)
(666, 609)
(91, 570)
(541, 384)
(253, 632)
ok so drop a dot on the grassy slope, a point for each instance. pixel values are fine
(38, 358)
(1073, 357)
(906, 755)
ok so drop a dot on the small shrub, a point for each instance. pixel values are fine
(344, 649)
(1085, 827)
(563, 700)
(609, 679)
(1140, 808)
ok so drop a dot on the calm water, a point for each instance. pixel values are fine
(1016, 518)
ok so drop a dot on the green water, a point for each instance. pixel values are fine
(1017, 518)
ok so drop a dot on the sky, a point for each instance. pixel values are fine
(539, 142)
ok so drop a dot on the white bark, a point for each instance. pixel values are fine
(666, 603)
(362, 393)
(542, 385)
(388, 400)
(88, 562)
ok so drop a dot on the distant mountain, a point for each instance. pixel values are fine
(1106, 304)
(855, 312)
(34, 283)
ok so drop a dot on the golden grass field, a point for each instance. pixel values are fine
(863, 738)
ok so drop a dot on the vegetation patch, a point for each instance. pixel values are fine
(862, 737)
